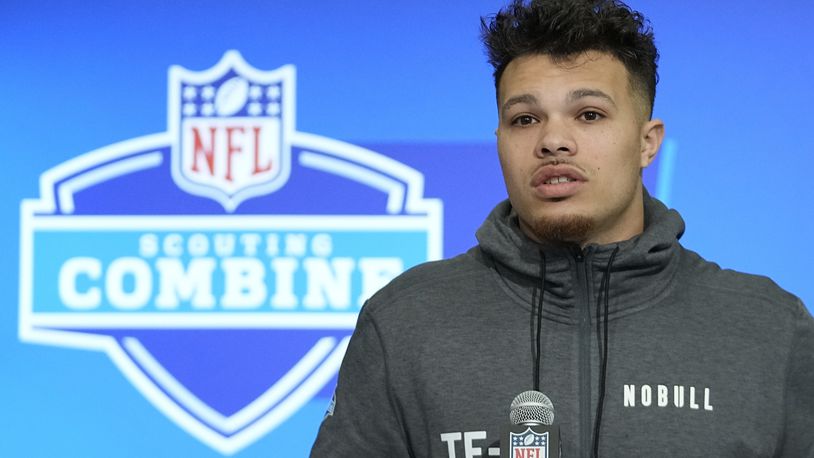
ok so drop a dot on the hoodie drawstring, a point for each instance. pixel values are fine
(604, 293)
(604, 288)
(539, 323)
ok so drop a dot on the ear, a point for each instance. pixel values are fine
(652, 134)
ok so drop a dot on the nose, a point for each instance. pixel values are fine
(556, 139)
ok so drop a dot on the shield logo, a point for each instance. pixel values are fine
(231, 320)
(528, 444)
(231, 126)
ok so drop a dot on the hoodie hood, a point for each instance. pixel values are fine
(642, 270)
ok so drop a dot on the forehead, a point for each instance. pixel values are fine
(541, 75)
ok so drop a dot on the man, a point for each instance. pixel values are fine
(578, 287)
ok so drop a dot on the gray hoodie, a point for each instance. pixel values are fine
(701, 362)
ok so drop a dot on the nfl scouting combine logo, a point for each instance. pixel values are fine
(221, 264)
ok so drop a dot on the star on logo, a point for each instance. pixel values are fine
(207, 109)
(190, 109)
(254, 109)
(273, 92)
(208, 93)
(190, 92)
(273, 109)
(255, 92)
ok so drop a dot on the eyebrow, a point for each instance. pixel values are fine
(573, 96)
(522, 98)
(577, 94)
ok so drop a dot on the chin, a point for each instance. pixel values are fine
(563, 229)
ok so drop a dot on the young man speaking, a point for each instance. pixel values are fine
(578, 287)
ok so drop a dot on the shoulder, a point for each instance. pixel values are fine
(755, 292)
(433, 278)
(435, 282)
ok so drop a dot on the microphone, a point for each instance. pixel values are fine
(532, 433)
(531, 408)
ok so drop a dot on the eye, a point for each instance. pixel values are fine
(591, 116)
(523, 120)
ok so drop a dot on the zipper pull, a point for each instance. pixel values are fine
(579, 255)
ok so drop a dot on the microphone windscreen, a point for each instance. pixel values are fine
(531, 408)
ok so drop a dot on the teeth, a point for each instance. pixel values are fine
(555, 180)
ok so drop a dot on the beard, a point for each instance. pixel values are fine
(566, 229)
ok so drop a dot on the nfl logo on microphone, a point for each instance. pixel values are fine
(221, 264)
(529, 444)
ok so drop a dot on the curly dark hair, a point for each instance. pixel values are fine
(564, 28)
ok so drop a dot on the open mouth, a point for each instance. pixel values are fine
(557, 180)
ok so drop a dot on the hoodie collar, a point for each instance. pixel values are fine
(642, 271)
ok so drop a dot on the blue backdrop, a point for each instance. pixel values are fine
(404, 79)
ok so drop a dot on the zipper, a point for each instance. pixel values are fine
(583, 291)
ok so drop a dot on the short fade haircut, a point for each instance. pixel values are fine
(562, 29)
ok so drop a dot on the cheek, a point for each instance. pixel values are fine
(512, 177)
(506, 169)
(613, 163)
(511, 160)
(619, 153)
